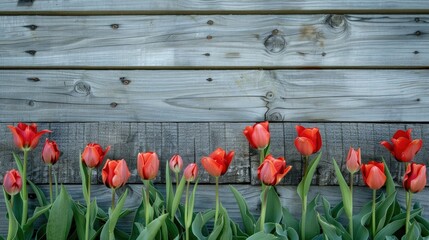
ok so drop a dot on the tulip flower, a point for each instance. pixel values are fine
(147, 165)
(50, 155)
(403, 147)
(12, 182)
(115, 173)
(272, 170)
(353, 160)
(93, 155)
(191, 172)
(374, 178)
(176, 164)
(26, 136)
(216, 164)
(308, 141)
(258, 135)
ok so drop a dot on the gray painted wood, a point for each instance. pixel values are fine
(214, 96)
(195, 140)
(315, 40)
(205, 199)
(196, 6)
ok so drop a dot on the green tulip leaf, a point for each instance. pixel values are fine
(199, 223)
(328, 218)
(85, 177)
(60, 217)
(329, 230)
(169, 190)
(390, 184)
(41, 198)
(312, 224)
(304, 185)
(13, 223)
(37, 213)
(345, 191)
(262, 235)
(413, 232)
(178, 196)
(246, 217)
(191, 205)
(171, 229)
(79, 219)
(18, 162)
(360, 232)
(273, 214)
(151, 230)
(108, 230)
(289, 221)
(292, 234)
(382, 209)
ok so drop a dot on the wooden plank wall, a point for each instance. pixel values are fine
(176, 76)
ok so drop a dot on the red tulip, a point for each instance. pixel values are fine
(272, 170)
(26, 136)
(93, 155)
(415, 177)
(218, 162)
(353, 161)
(12, 182)
(403, 147)
(373, 174)
(147, 165)
(258, 135)
(191, 172)
(308, 141)
(115, 173)
(176, 163)
(50, 152)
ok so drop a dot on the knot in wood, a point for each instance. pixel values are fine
(31, 27)
(210, 22)
(31, 52)
(33, 79)
(336, 21)
(114, 26)
(269, 96)
(82, 88)
(25, 3)
(113, 104)
(276, 116)
(31, 103)
(125, 81)
(275, 43)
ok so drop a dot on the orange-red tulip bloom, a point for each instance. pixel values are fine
(308, 141)
(373, 174)
(272, 170)
(191, 172)
(93, 155)
(415, 177)
(218, 162)
(147, 165)
(26, 136)
(403, 147)
(12, 182)
(176, 163)
(50, 152)
(115, 173)
(258, 135)
(353, 160)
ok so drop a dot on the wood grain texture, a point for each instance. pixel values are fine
(205, 199)
(196, 6)
(214, 96)
(195, 140)
(142, 41)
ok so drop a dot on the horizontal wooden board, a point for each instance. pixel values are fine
(214, 96)
(196, 6)
(226, 41)
(205, 200)
(195, 140)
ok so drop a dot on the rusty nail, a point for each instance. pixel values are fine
(209, 79)
(113, 104)
(31, 52)
(209, 37)
(210, 22)
(34, 79)
(417, 33)
(125, 81)
(114, 26)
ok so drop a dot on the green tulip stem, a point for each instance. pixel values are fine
(261, 160)
(10, 228)
(304, 201)
(263, 208)
(351, 207)
(409, 196)
(24, 193)
(113, 199)
(217, 200)
(147, 202)
(177, 180)
(374, 193)
(305, 164)
(50, 182)
(88, 202)
(186, 211)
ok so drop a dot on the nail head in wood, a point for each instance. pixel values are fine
(31, 27)
(114, 26)
(207, 54)
(125, 81)
(33, 79)
(209, 79)
(31, 52)
(209, 37)
(31, 103)
(418, 33)
(210, 22)
(113, 104)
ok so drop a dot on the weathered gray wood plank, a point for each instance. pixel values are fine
(194, 140)
(215, 41)
(205, 199)
(214, 96)
(196, 6)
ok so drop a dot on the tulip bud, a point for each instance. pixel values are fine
(308, 141)
(93, 155)
(147, 165)
(191, 172)
(258, 135)
(115, 173)
(176, 163)
(12, 182)
(353, 161)
(50, 152)
(373, 174)
(26, 136)
(415, 177)
(217, 163)
(403, 147)
(272, 170)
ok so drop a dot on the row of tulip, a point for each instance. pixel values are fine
(166, 218)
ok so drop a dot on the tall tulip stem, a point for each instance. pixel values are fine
(304, 201)
(261, 160)
(177, 180)
(186, 211)
(351, 207)
(88, 202)
(24, 193)
(147, 202)
(409, 196)
(50, 182)
(263, 208)
(374, 192)
(113, 198)
(217, 199)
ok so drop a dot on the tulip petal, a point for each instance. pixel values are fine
(304, 146)
(419, 182)
(388, 146)
(402, 133)
(267, 173)
(211, 166)
(260, 137)
(17, 139)
(248, 131)
(376, 178)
